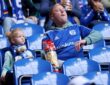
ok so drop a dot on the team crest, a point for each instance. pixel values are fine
(72, 32)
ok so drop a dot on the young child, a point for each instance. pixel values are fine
(17, 51)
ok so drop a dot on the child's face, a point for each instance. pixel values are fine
(19, 38)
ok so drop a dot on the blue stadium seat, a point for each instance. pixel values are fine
(33, 33)
(4, 42)
(101, 55)
(98, 44)
(29, 29)
(79, 66)
(104, 28)
(24, 68)
(35, 42)
(50, 78)
(99, 78)
(2, 33)
(92, 78)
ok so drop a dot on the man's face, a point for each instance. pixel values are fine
(59, 14)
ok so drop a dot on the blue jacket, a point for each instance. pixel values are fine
(89, 15)
(65, 38)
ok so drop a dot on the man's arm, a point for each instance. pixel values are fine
(93, 37)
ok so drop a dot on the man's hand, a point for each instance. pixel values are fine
(79, 44)
(98, 6)
(67, 5)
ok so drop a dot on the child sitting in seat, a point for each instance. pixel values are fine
(17, 51)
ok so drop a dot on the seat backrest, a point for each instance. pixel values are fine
(100, 43)
(4, 42)
(50, 78)
(79, 66)
(33, 33)
(100, 55)
(35, 42)
(29, 67)
(29, 29)
(103, 28)
(2, 33)
(92, 78)
(99, 78)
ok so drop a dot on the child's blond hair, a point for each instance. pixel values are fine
(13, 33)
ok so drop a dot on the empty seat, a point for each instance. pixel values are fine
(101, 55)
(92, 78)
(104, 28)
(79, 66)
(24, 68)
(50, 78)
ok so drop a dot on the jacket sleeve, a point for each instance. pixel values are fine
(105, 15)
(8, 63)
(93, 37)
(87, 15)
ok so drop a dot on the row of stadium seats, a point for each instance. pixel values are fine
(72, 68)
(98, 56)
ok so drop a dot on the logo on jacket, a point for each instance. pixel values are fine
(56, 38)
(72, 32)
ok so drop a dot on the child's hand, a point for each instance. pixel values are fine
(79, 44)
(18, 58)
